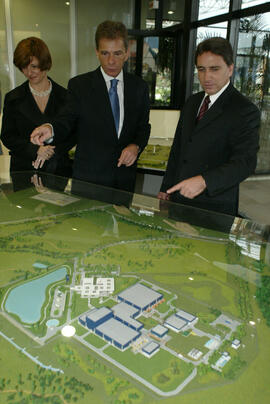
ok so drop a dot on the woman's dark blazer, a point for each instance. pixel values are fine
(21, 116)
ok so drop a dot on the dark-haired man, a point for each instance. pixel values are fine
(110, 118)
(216, 140)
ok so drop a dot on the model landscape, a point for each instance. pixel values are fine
(159, 310)
(155, 156)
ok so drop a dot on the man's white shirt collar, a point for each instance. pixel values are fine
(108, 78)
(214, 97)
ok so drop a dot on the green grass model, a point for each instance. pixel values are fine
(49, 249)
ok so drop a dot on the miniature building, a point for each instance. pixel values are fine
(140, 296)
(189, 318)
(102, 322)
(95, 287)
(159, 330)
(126, 313)
(95, 317)
(175, 323)
(150, 349)
(117, 333)
(221, 362)
(212, 343)
(195, 354)
(236, 343)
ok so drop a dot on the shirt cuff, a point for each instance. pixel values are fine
(48, 141)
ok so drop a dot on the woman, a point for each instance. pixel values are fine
(31, 104)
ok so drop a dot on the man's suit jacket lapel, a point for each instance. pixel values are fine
(214, 111)
(190, 123)
(129, 103)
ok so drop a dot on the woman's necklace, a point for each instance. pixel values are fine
(41, 93)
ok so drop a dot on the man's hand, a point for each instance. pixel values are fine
(129, 155)
(40, 134)
(189, 188)
(163, 196)
(44, 153)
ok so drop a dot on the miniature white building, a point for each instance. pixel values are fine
(221, 362)
(195, 354)
(236, 343)
(95, 287)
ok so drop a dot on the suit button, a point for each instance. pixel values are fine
(190, 140)
(185, 161)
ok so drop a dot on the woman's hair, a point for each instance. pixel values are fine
(29, 48)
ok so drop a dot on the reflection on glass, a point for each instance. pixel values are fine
(147, 16)
(173, 12)
(4, 70)
(211, 8)
(49, 21)
(209, 31)
(158, 57)
(89, 16)
(252, 75)
(251, 3)
(131, 62)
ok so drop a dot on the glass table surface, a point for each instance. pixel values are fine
(110, 297)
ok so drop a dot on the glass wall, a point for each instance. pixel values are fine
(163, 58)
(88, 18)
(158, 62)
(172, 13)
(4, 68)
(250, 3)
(252, 75)
(210, 8)
(49, 21)
(208, 31)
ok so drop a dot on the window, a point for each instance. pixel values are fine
(209, 31)
(158, 61)
(252, 75)
(251, 3)
(89, 15)
(211, 8)
(4, 68)
(49, 21)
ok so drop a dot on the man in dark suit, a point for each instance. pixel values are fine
(111, 120)
(216, 140)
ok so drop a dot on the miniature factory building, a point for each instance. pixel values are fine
(159, 331)
(140, 296)
(150, 349)
(117, 333)
(126, 314)
(189, 318)
(95, 317)
(104, 324)
(175, 323)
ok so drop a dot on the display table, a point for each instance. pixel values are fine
(109, 297)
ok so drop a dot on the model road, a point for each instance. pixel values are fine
(137, 377)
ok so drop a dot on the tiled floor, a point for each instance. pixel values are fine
(254, 194)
